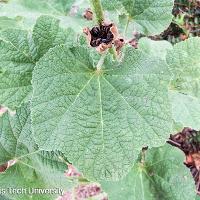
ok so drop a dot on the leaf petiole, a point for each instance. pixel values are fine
(101, 61)
(97, 10)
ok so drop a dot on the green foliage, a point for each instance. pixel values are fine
(91, 109)
(148, 16)
(6, 22)
(19, 53)
(29, 11)
(46, 6)
(57, 7)
(161, 176)
(184, 62)
(34, 168)
(81, 104)
(154, 48)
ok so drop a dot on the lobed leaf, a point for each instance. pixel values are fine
(100, 118)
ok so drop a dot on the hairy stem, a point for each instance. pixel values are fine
(127, 24)
(113, 52)
(97, 10)
(101, 61)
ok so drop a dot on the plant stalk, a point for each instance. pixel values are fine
(97, 10)
(113, 52)
(101, 61)
(127, 24)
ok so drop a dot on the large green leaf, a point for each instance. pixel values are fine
(100, 118)
(34, 168)
(162, 176)
(19, 54)
(146, 16)
(184, 62)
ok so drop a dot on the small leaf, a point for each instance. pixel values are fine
(100, 118)
(162, 176)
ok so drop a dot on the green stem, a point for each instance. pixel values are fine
(126, 26)
(101, 61)
(97, 10)
(113, 52)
